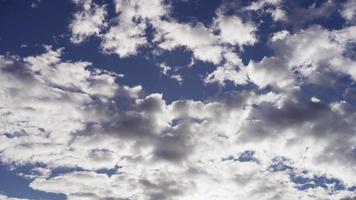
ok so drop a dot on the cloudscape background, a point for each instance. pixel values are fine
(177, 99)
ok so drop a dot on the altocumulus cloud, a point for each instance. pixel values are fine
(285, 131)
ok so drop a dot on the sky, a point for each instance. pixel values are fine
(177, 99)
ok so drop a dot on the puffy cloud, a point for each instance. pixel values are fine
(89, 21)
(201, 40)
(141, 9)
(304, 57)
(61, 99)
(231, 70)
(124, 39)
(235, 31)
(197, 38)
(349, 10)
(227, 73)
(126, 33)
(270, 71)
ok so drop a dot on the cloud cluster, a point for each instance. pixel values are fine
(181, 150)
(130, 30)
(84, 135)
(306, 55)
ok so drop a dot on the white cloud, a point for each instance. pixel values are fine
(124, 39)
(277, 13)
(232, 70)
(141, 8)
(61, 98)
(235, 31)
(349, 10)
(270, 71)
(167, 70)
(89, 21)
(128, 30)
(279, 35)
(307, 54)
(126, 35)
(197, 38)
(315, 49)
(4, 197)
(227, 73)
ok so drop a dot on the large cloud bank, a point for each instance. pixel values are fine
(290, 137)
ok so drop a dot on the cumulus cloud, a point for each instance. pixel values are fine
(235, 31)
(197, 38)
(317, 50)
(89, 21)
(55, 106)
(161, 150)
(202, 41)
(170, 138)
(232, 70)
(124, 40)
(349, 11)
(300, 58)
(127, 31)
(89, 137)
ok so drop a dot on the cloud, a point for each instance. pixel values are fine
(270, 71)
(274, 7)
(89, 21)
(232, 70)
(89, 137)
(163, 150)
(197, 38)
(4, 197)
(201, 40)
(89, 185)
(349, 11)
(300, 16)
(234, 31)
(124, 39)
(56, 106)
(304, 57)
(170, 72)
(226, 73)
(127, 31)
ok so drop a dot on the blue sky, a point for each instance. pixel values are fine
(177, 99)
